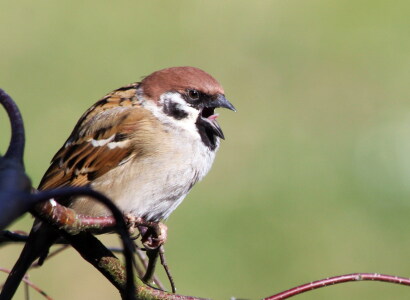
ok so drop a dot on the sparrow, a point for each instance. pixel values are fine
(144, 145)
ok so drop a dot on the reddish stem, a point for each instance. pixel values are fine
(31, 284)
(67, 219)
(339, 279)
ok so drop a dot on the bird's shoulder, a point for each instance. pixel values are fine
(108, 134)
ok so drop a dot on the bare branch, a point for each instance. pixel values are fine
(21, 237)
(72, 226)
(30, 284)
(93, 251)
(336, 280)
(7, 236)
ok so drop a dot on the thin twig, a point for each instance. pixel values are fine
(166, 268)
(141, 266)
(336, 280)
(26, 289)
(31, 284)
(50, 255)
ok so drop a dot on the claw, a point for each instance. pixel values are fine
(154, 234)
(130, 221)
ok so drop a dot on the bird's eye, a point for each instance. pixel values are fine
(193, 94)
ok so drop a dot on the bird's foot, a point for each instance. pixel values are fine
(130, 221)
(154, 234)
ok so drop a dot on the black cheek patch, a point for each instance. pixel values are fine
(171, 109)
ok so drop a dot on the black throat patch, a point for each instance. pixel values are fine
(206, 133)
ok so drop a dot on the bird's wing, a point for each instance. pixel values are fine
(100, 141)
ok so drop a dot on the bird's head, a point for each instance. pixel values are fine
(187, 97)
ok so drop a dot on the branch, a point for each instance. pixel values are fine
(67, 219)
(31, 284)
(93, 251)
(336, 280)
(71, 225)
(7, 236)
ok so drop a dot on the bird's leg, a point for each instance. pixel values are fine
(153, 255)
(130, 221)
(166, 268)
(154, 234)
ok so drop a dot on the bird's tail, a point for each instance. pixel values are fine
(41, 237)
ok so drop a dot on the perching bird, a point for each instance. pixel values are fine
(143, 145)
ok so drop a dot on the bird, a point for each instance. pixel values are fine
(144, 145)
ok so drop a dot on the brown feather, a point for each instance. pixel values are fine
(118, 118)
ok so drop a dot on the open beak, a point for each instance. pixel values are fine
(221, 101)
(209, 116)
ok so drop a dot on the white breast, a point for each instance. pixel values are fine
(154, 186)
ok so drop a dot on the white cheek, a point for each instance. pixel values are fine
(177, 99)
(187, 123)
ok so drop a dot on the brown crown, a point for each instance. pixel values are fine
(179, 79)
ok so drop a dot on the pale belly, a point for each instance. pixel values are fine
(150, 187)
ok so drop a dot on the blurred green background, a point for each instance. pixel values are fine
(313, 178)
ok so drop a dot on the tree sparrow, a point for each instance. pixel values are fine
(143, 145)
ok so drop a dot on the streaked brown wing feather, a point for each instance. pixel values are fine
(99, 142)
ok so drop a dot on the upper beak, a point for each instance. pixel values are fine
(221, 101)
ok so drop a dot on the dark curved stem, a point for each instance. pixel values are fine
(120, 226)
(17, 142)
(153, 258)
(15, 185)
(338, 279)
